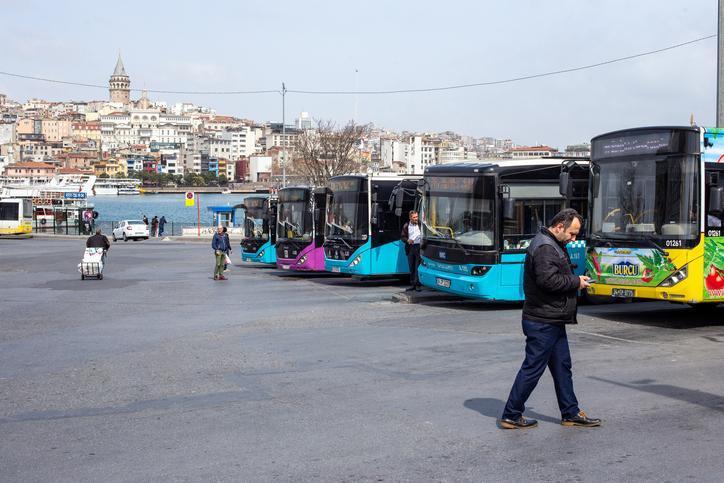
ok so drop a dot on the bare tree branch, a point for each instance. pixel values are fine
(327, 151)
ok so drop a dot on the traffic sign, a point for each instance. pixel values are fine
(190, 198)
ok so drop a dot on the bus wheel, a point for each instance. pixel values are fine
(100, 276)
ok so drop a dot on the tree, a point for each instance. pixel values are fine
(104, 175)
(327, 151)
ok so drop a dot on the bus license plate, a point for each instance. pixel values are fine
(623, 293)
(285, 267)
(442, 282)
(335, 269)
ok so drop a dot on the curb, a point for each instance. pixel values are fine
(425, 296)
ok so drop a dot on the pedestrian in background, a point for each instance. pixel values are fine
(161, 224)
(411, 236)
(551, 291)
(154, 226)
(227, 252)
(218, 245)
(145, 220)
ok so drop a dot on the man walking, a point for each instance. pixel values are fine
(551, 290)
(218, 244)
(411, 236)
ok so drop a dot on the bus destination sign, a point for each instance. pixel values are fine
(634, 144)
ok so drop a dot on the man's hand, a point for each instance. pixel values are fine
(409, 241)
(583, 282)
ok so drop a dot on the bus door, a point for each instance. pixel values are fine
(714, 237)
(319, 213)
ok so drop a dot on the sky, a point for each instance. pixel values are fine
(219, 45)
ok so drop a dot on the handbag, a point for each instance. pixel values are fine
(227, 260)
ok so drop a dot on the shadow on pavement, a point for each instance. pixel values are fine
(493, 408)
(476, 305)
(663, 315)
(346, 281)
(692, 396)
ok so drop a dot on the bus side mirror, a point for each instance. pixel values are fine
(509, 208)
(564, 187)
(399, 199)
(715, 198)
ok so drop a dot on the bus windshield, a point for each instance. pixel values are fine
(295, 216)
(347, 215)
(256, 222)
(649, 197)
(460, 208)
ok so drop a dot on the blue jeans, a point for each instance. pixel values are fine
(545, 345)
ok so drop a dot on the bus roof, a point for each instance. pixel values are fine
(637, 130)
(499, 165)
(381, 177)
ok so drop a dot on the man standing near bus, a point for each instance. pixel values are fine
(411, 236)
(551, 291)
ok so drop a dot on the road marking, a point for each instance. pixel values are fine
(616, 338)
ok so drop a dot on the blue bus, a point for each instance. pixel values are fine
(260, 219)
(478, 219)
(365, 214)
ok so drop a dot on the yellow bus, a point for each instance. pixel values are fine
(655, 214)
(16, 216)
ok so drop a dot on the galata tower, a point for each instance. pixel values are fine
(119, 85)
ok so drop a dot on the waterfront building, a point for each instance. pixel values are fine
(260, 167)
(55, 129)
(541, 151)
(582, 150)
(87, 129)
(30, 170)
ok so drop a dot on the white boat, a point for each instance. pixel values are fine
(226, 191)
(116, 186)
(60, 183)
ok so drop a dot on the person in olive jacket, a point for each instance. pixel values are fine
(551, 291)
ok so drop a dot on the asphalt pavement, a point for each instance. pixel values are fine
(158, 372)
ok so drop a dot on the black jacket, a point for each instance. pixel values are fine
(550, 286)
(98, 241)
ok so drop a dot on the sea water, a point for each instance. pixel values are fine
(132, 207)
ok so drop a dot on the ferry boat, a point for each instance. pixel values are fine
(62, 183)
(116, 186)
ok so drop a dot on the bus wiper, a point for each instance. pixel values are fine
(442, 237)
(339, 238)
(650, 241)
(344, 229)
(295, 229)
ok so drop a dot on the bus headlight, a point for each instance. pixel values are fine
(675, 277)
(302, 260)
(261, 253)
(356, 261)
(480, 270)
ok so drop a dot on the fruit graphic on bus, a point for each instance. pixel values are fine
(715, 279)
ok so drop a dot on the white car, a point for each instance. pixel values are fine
(131, 230)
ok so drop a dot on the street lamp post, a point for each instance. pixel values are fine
(284, 131)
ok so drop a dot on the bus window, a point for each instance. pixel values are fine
(530, 216)
(714, 213)
(9, 211)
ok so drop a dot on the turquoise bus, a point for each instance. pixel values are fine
(260, 219)
(478, 219)
(365, 214)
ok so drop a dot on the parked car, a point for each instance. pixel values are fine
(131, 230)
